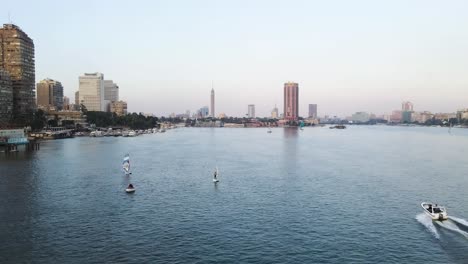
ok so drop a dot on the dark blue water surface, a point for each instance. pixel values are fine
(312, 196)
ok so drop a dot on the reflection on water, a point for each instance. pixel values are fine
(286, 190)
(290, 132)
(18, 205)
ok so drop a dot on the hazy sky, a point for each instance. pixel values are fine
(347, 56)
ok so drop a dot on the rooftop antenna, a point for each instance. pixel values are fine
(9, 18)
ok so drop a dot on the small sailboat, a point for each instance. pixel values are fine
(126, 164)
(301, 125)
(130, 188)
(269, 130)
(436, 212)
(216, 176)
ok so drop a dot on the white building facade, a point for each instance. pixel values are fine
(91, 91)
(251, 111)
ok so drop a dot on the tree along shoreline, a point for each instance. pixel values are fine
(133, 120)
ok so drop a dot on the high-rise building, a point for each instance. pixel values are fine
(118, 107)
(251, 111)
(406, 116)
(111, 91)
(50, 94)
(6, 99)
(66, 103)
(212, 114)
(407, 106)
(313, 111)
(291, 101)
(91, 93)
(17, 58)
(77, 98)
(406, 112)
(274, 113)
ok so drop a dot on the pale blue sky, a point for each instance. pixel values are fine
(347, 56)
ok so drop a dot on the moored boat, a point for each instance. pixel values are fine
(435, 211)
(338, 127)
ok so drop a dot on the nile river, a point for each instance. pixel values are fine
(312, 196)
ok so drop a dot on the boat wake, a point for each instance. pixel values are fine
(428, 223)
(459, 221)
(452, 226)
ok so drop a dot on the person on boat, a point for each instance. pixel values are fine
(215, 174)
(130, 186)
(430, 208)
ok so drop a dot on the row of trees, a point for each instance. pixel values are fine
(134, 120)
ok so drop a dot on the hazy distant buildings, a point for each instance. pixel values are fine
(6, 98)
(91, 91)
(66, 103)
(251, 111)
(118, 107)
(274, 113)
(406, 116)
(203, 112)
(212, 114)
(407, 106)
(360, 117)
(462, 115)
(49, 95)
(395, 117)
(291, 101)
(406, 112)
(421, 117)
(17, 59)
(313, 111)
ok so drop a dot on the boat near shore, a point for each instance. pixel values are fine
(338, 127)
(435, 211)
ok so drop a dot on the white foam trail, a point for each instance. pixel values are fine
(459, 220)
(427, 222)
(452, 226)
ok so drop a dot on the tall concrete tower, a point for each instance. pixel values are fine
(212, 102)
(291, 101)
(17, 59)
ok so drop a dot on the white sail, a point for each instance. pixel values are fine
(126, 164)
(216, 175)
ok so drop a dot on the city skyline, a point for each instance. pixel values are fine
(344, 68)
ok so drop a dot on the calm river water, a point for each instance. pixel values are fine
(312, 196)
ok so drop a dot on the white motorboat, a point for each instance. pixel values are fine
(435, 211)
(132, 133)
